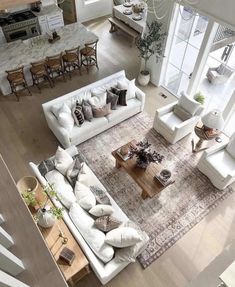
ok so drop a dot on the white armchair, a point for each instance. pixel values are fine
(171, 125)
(218, 164)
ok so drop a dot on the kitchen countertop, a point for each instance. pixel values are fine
(18, 53)
(48, 10)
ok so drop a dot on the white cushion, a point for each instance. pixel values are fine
(101, 210)
(62, 160)
(64, 116)
(231, 147)
(189, 104)
(62, 187)
(122, 237)
(125, 84)
(94, 237)
(87, 177)
(84, 196)
(222, 162)
(98, 100)
(170, 120)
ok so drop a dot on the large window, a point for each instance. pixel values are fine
(189, 32)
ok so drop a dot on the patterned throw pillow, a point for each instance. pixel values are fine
(121, 95)
(100, 195)
(87, 111)
(107, 223)
(78, 114)
(73, 171)
(45, 166)
(112, 99)
(102, 111)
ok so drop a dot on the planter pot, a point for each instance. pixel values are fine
(45, 218)
(31, 184)
(144, 78)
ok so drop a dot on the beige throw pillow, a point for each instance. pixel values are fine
(85, 198)
(181, 113)
(107, 223)
(101, 210)
(99, 112)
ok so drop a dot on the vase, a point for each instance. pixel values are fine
(45, 218)
(144, 78)
(142, 164)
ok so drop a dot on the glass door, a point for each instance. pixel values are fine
(189, 33)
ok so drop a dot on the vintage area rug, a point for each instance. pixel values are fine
(171, 213)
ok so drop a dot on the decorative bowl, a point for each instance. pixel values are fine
(165, 174)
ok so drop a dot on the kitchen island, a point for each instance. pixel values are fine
(18, 53)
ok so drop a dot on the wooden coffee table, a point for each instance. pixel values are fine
(144, 178)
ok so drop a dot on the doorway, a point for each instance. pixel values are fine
(69, 11)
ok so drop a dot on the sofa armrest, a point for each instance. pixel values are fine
(166, 109)
(60, 132)
(215, 149)
(140, 95)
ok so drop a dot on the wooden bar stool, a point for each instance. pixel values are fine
(71, 60)
(16, 80)
(55, 67)
(89, 55)
(39, 73)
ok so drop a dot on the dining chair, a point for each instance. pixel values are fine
(55, 67)
(40, 74)
(16, 80)
(71, 60)
(89, 55)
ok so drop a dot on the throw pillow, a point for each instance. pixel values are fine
(94, 237)
(122, 237)
(189, 104)
(181, 113)
(101, 210)
(107, 223)
(131, 90)
(73, 171)
(64, 117)
(87, 111)
(121, 96)
(112, 99)
(62, 187)
(77, 114)
(99, 100)
(85, 198)
(100, 195)
(45, 166)
(99, 112)
(118, 2)
(62, 160)
(129, 254)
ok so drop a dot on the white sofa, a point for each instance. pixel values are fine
(104, 272)
(218, 164)
(170, 126)
(97, 125)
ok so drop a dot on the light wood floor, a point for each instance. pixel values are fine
(25, 137)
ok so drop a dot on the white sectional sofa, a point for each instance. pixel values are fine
(97, 125)
(104, 271)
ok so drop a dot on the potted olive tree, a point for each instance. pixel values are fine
(151, 43)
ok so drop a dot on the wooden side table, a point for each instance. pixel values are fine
(80, 265)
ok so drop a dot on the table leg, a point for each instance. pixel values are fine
(144, 195)
(199, 143)
(117, 164)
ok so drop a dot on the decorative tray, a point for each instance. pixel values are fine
(137, 18)
(127, 4)
(125, 157)
(127, 12)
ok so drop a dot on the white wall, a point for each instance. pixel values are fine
(222, 10)
(93, 9)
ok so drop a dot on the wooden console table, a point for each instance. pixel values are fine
(80, 265)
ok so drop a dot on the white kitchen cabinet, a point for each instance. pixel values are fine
(2, 37)
(50, 18)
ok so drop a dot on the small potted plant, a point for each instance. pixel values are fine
(144, 155)
(46, 214)
(151, 43)
(199, 97)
